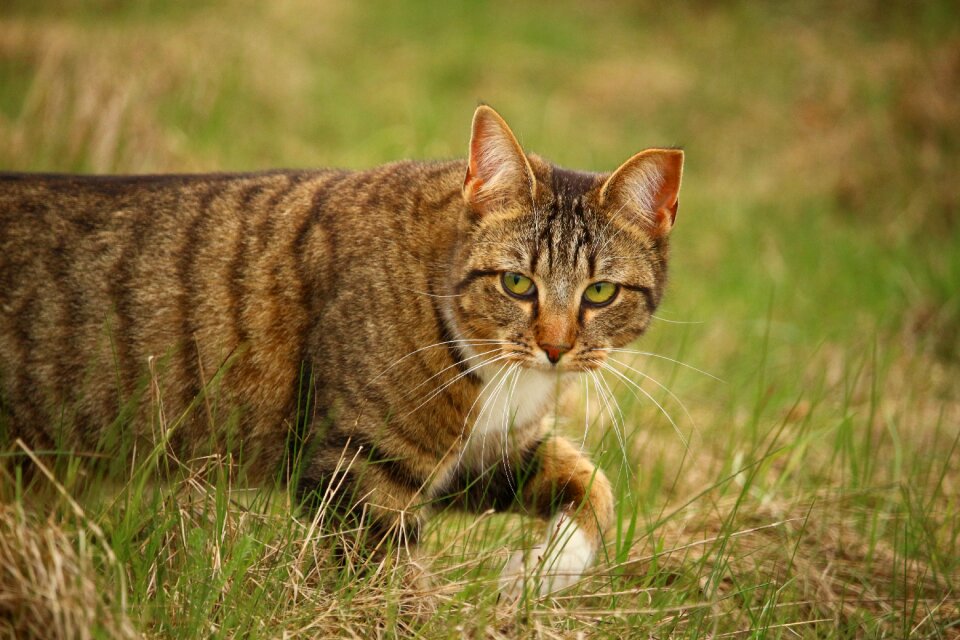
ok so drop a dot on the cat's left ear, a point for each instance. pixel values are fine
(497, 170)
(647, 188)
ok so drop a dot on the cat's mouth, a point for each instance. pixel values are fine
(572, 361)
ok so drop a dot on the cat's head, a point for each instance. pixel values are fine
(555, 267)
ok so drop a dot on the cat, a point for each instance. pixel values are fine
(403, 331)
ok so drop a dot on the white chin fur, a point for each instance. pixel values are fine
(508, 407)
(551, 566)
(505, 410)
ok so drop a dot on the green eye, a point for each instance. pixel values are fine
(600, 293)
(517, 284)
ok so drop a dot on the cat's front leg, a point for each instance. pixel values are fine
(368, 491)
(566, 487)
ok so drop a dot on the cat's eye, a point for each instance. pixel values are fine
(600, 293)
(517, 284)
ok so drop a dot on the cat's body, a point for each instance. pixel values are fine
(196, 271)
(362, 320)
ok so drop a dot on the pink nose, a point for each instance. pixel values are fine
(554, 351)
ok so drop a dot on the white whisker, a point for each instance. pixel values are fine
(662, 386)
(611, 396)
(461, 341)
(448, 367)
(608, 398)
(656, 317)
(466, 417)
(507, 408)
(491, 401)
(657, 355)
(633, 383)
(449, 383)
(586, 411)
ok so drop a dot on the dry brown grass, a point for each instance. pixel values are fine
(50, 587)
(812, 551)
(806, 561)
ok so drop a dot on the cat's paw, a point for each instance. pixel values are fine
(549, 567)
(519, 572)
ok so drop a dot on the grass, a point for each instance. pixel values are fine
(816, 272)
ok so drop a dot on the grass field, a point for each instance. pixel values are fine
(815, 279)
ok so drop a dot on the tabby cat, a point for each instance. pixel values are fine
(403, 330)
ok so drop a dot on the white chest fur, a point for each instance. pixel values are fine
(513, 401)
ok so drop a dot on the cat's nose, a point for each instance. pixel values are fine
(554, 351)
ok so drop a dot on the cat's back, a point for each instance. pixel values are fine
(82, 231)
(99, 201)
(42, 210)
(99, 274)
(78, 204)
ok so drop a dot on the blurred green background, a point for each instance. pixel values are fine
(822, 138)
(816, 257)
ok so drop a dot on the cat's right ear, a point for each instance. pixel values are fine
(497, 170)
(646, 189)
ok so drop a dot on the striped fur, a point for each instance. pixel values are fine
(318, 313)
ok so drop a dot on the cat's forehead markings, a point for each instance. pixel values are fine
(562, 246)
(568, 185)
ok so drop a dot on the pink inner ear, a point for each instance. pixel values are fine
(482, 167)
(668, 195)
(650, 184)
(480, 132)
(673, 211)
(497, 168)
